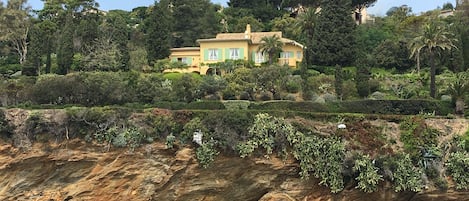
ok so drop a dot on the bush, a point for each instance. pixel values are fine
(458, 166)
(417, 136)
(293, 86)
(406, 176)
(236, 104)
(206, 153)
(368, 177)
(5, 128)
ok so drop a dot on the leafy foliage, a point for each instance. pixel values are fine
(406, 176)
(458, 165)
(322, 156)
(417, 136)
(206, 153)
(368, 178)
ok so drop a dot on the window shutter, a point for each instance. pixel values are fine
(291, 55)
(205, 55)
(227, 53)
(220, 57)
(253, 58)
(241, 53)
(189, 60)
(174, 59)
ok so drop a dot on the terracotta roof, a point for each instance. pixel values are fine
(256, 37)
(185, 48)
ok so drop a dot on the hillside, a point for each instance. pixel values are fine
(47, 166)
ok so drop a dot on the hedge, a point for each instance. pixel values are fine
(401, 107)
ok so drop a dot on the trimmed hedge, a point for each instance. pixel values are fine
(198, 105)
(401, 107)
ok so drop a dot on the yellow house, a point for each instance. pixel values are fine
(234, 46)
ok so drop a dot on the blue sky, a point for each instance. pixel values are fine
(380, 7)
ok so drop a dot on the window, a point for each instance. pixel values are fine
(259, 57)
(286, 55)
(299, 55)
(234, 53)
(183, 60)
(212, 54)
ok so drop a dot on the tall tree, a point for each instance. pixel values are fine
(193, 19)
(158, 32)
(115, 30)
(65, 50)
(15, 24)
(306, 23)
(272, 46)
(434, 39)
(333, 38)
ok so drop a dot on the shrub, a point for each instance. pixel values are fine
(5, 128)
(236, 104)
(206, 153)
(417, 136)
(322, 156)
(368, 177)
(293, 86)
(458, 166)
(406, 176)
(190, 127)
(170, 140)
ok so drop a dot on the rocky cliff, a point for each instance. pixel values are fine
(73, 169)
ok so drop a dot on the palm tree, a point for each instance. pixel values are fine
(272, 45)
(458, 91)
(304, 28)
(433, 40)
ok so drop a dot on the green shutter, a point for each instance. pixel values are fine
(241, 53)
(205, 55)
(220, 52)
(292, 55)
(174, 59)
(253, 58)
(227, 53)
(189, 60)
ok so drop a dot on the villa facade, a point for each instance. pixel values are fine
(234, 46)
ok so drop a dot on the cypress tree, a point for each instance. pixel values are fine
(158, 32)
(65, 50)
(333, 38)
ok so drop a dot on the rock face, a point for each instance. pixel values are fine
(76, 170)
(73, 169)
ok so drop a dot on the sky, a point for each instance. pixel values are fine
(379, 9)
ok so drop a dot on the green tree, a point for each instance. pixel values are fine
(272, 46)
(393, 54)
(65, 50)
(114, 30)
(334, 41)
(339, 81)
(306, 23)
(193, 19)
(433, 40)
(158, 32)
(15, 24)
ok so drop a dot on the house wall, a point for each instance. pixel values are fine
(223, 50)
(296, 54)
(192, 56)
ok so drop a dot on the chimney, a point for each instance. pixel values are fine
(247, 33)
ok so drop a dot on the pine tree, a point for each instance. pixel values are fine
(65, 50)
(333, 39)
(158, 32)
